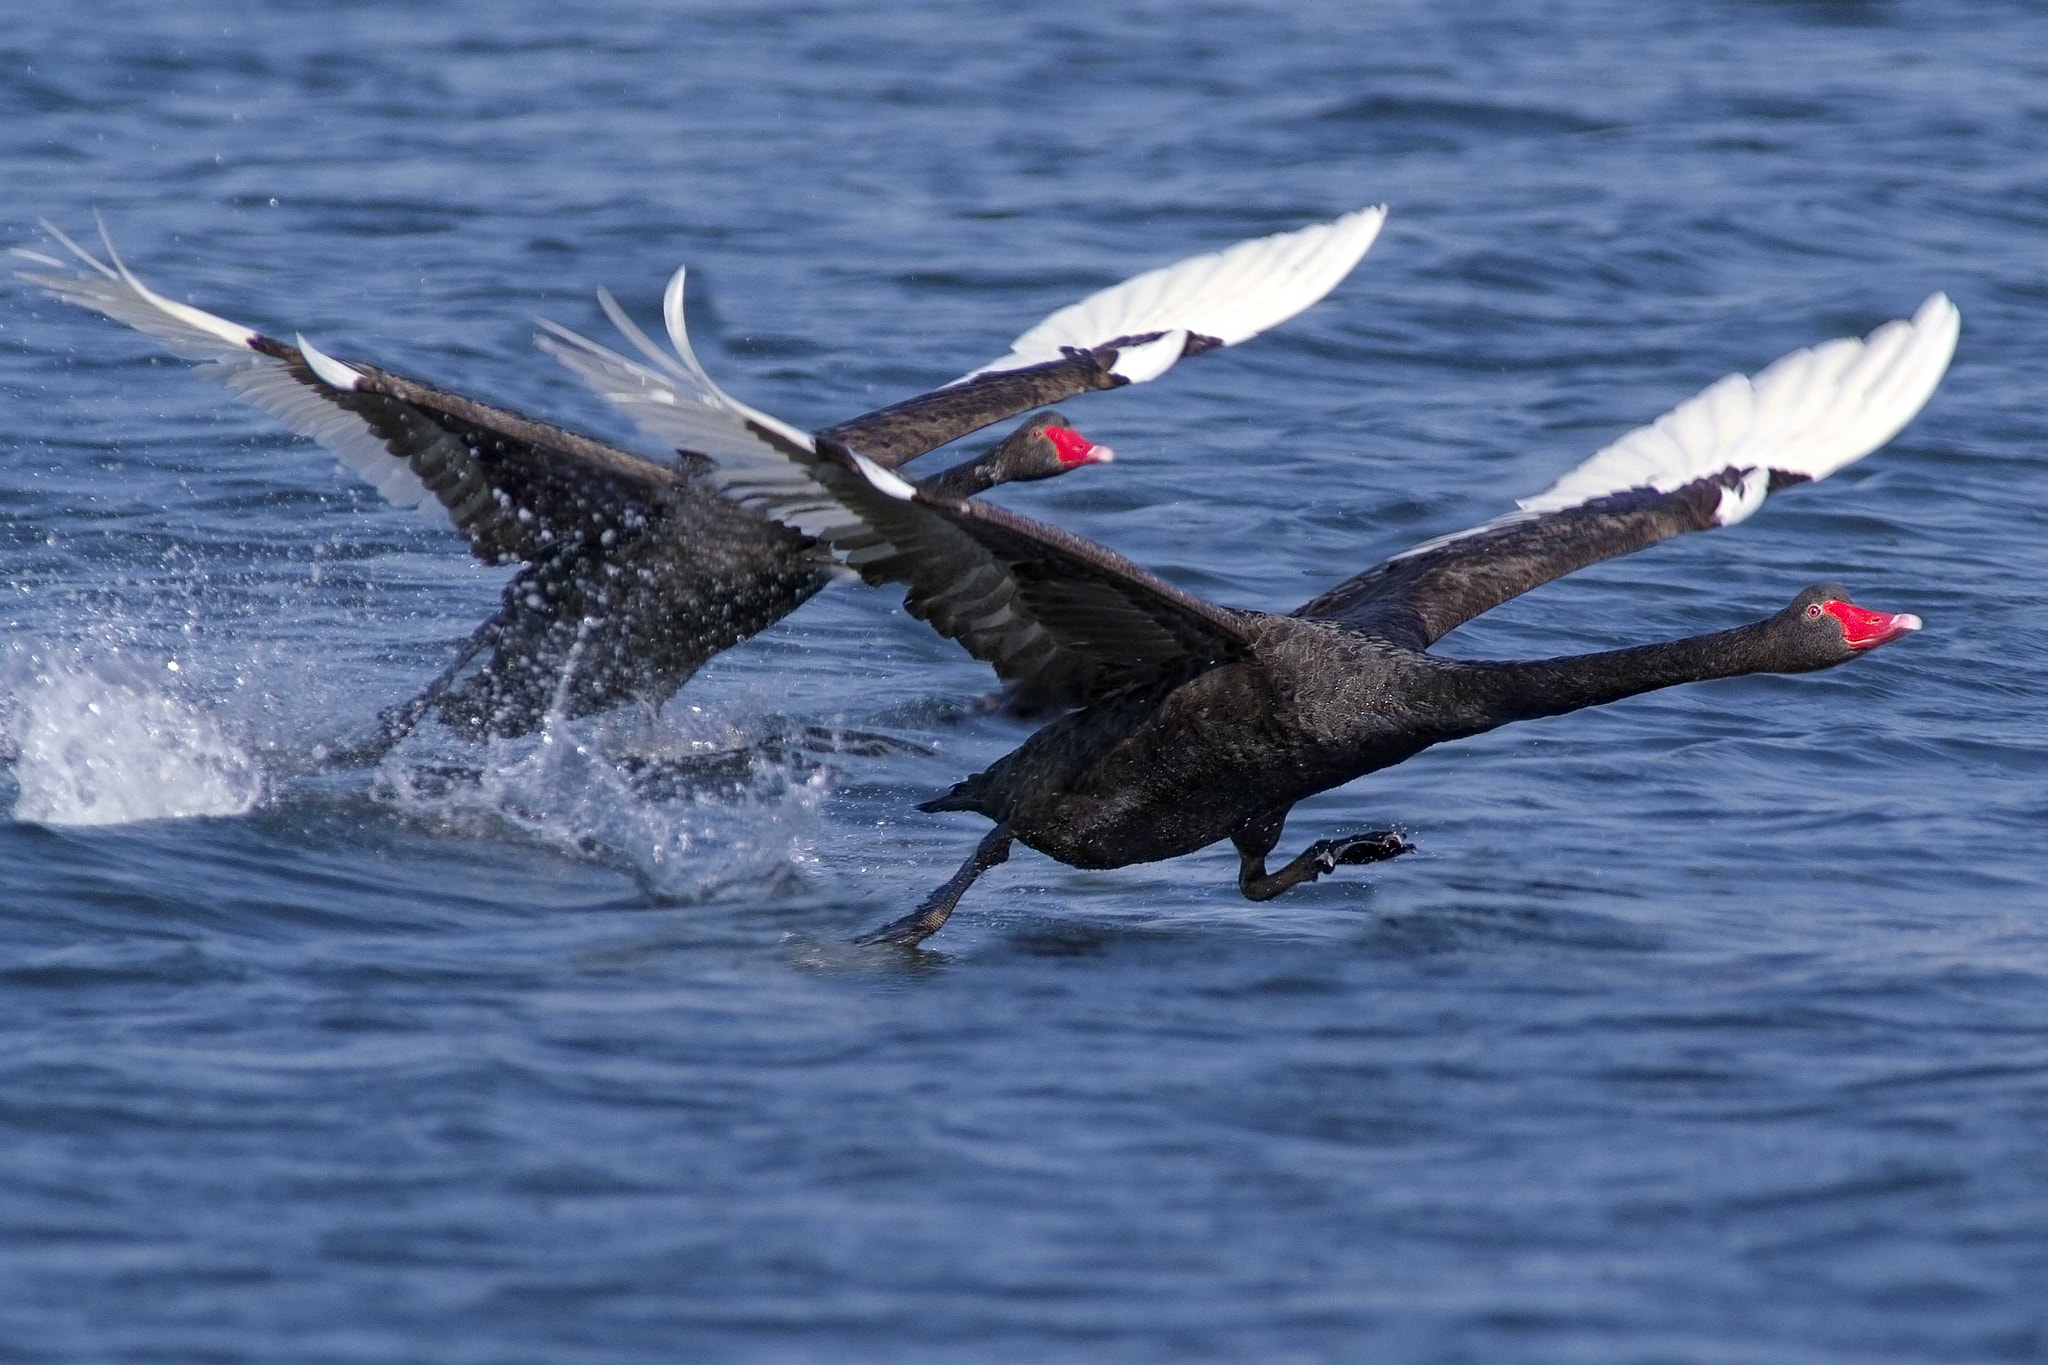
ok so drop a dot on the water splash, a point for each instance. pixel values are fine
(688, 820)
(97, 750)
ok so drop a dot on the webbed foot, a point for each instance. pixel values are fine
(1353, 850)
(909, 931)
(1319, 858)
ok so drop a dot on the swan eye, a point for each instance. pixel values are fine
(1813, 612)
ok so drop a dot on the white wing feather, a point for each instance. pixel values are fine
(1226, 295)
(1809, 413)
(1230, 295)
(226, 356)
(759, 460)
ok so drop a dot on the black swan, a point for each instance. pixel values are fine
(634, 572)
(1203, 722)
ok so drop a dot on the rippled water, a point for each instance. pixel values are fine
(1705, 1027)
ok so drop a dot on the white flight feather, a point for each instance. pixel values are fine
(1150, 360)
(1810, 412)
(673, 400)
(329, 370)
(226, 355)
(883, 480)
(1231, 295)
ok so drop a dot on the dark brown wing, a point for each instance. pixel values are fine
(516, 488)
(1418, 597)
(1127, 333)
(895, 435)
(1059, 615)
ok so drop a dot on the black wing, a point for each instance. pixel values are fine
(634, 573)
(1058, 615)
(1062, 617)
(895, 435)
(1128, 333)
(516, 488)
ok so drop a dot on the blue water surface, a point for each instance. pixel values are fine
(1710, 1026)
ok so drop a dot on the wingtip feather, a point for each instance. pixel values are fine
(882, 480)
(119, 293)
(326, 368)
(1808, 413)
(1229, 295)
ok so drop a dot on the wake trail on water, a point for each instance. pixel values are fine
(690, 809)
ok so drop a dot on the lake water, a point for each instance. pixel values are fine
(1710, 1026)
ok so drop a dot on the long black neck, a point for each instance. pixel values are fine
(898, 434)
(1484, 695)
(969, 478)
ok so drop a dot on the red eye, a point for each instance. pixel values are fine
(1813, 612)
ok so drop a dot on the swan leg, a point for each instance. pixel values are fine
(1256, 839)
(395, 723)
(921, 923)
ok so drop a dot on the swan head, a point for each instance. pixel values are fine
(1043, 447)
(1847, 629)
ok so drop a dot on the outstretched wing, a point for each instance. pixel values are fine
(514, 487)
(1218, 298)
(1710, 461)
(1061, 617)
(1066, 618)
(1126, 334)
(671, 397)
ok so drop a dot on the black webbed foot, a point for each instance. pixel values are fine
(1354, 850)
(1257, 838)
(907, 932)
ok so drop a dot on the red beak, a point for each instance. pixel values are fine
(1075, 449)
(1864, 629)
